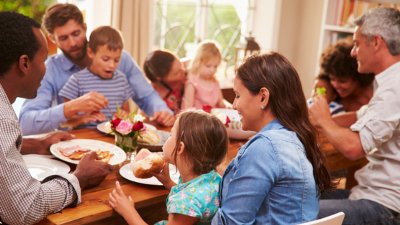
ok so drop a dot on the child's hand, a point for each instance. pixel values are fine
(164, 177)
(120, 202)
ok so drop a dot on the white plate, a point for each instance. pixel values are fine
(127, 173)
(94, 145)
(40, 166)
(105, 127)
(234, 128)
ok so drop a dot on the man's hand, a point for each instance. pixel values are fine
(84, 119)
(319, 111)
(164, 118)
(86, 104)
(91, 172)
(42, 145)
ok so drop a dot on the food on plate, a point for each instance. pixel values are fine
(104, 156)
(76, 153)
(146, 164)
(149, 137)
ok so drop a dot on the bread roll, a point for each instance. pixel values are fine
(146, 163)
(149, 137)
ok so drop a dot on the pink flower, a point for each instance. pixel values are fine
(137, 126)
(124, 127)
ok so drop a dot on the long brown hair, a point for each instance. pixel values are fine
(287, 102)
(205, 139)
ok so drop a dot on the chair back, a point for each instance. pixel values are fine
(335, 219)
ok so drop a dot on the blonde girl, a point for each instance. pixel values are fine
(202, 88)
(198, 143)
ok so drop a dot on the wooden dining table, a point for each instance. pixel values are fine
(149, 199)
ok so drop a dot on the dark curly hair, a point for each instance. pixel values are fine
(16, 39)
(336, 60)
(59, 14)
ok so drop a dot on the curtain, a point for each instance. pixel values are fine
(133, 18)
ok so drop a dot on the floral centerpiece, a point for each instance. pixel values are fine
(126, 129)
(222, 117)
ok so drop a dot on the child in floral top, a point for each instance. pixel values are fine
(197, 144)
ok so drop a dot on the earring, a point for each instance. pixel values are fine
(263, 107)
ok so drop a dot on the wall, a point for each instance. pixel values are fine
(298, 40)
(299, 31)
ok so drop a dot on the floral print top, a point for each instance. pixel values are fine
(196, 198)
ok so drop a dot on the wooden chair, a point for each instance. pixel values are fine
(335, 219)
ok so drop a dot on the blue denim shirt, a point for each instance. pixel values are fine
(46, 112)
(270, 181)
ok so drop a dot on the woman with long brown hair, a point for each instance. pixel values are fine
(278, 175)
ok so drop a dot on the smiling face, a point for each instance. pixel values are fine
(345, 87)
(362, 51)
(104, 61)
(245, 104)
(71, 39)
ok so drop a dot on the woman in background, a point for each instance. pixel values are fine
(354, 89)
(167, 75)
(278, 175)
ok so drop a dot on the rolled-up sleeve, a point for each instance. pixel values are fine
(377, 123)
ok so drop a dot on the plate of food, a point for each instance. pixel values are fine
(105, 127)
(40, 166)
(145, 164)
(72, 151)
(231, 118)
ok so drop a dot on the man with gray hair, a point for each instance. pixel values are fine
(375, 129)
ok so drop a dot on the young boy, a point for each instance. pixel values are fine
(322, 86)
(104, 49)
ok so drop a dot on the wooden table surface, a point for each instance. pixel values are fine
(149, 200)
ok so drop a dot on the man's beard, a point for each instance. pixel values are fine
(79, 57)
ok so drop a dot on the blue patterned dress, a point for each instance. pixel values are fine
(196, 198)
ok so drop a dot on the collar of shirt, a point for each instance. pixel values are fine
(67, 64)
(385, 76)
(273, 125)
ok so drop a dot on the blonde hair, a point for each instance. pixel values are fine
(206, 51)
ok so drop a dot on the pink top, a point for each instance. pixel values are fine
(205, 94)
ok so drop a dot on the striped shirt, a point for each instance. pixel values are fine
(117, 89)
(24, 200)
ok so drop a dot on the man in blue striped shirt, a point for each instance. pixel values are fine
(65, 27)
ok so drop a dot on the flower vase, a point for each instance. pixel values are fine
(128, 144)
